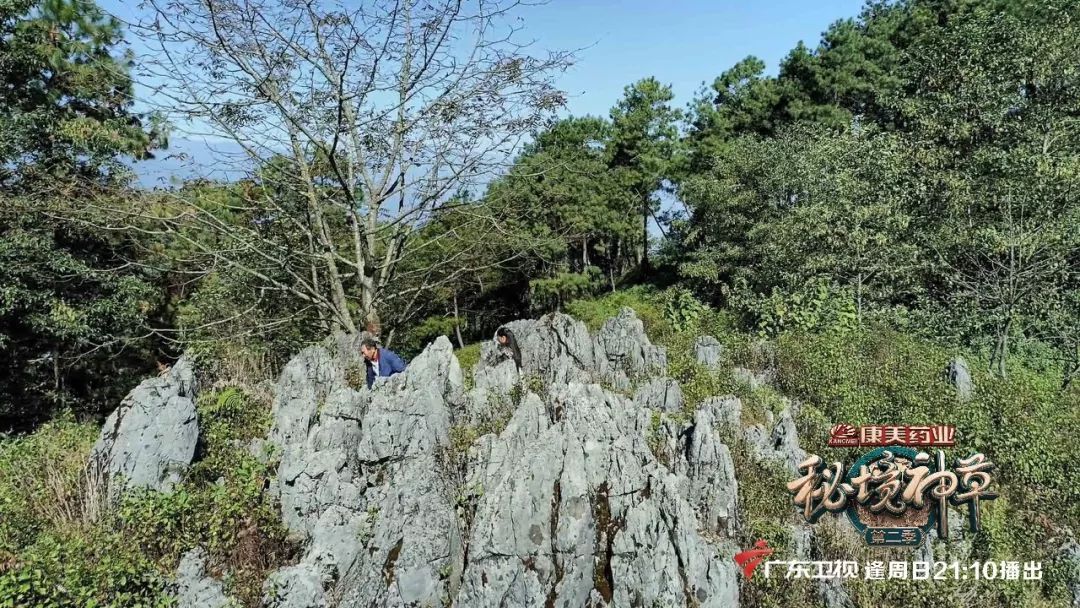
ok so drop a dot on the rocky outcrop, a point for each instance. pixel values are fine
(781, 444)
(1070, 560)
(150, 439)
(959, 376)
(194, 589)
(753, 380)
(708, 351)
(624, 355)
(576, 495)
(660, 394)
(567, 503)
(360, 482)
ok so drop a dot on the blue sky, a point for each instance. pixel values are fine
(684, 43)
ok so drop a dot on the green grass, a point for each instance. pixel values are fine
(1024, 423)
(61, 547)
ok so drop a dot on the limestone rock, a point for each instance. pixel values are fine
(576, 498)
(958, 375)
(555, 349)
(359, 481)
(194, 589)
(624, 354)
(1070, 556)
(782, 444)
(298, 586)
(727, 412)
(150, 439)
(753, 380)
(708, 351)
(586, 510)
(660, 394)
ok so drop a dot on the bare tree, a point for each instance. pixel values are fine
(1010, 268)
(359, 122)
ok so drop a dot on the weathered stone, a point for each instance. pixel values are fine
(583, 509)
(660, 394)
(708, 351)
(1070, 557)
(785, 440)
(958, 375)
(150, 439)
(727, 412)
(713, 490)
(782, 444)
(555, 349)
(576, 498)
(359, 481)
(299, 586)
(624, 354)
(194, 589)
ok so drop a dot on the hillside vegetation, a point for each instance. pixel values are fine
(62, 548)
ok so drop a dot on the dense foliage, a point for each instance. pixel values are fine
(73, 306)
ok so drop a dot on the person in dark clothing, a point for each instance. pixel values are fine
(508, 345)
(380, 362)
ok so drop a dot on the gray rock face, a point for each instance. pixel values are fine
(555, 349)
(727, 412)
(660, 394)
(710, 471)
(624, 354)
(753, 380)
(958, 375)
(196, 590)
(708, 351)
(150, 439)
(567, 504)
(782, 444)
(296, 586)
(585, 510)
(1070, 555)
(360, 482)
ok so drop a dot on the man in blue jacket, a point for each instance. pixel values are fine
(379, 361)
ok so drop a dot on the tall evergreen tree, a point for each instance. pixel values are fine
(72, 305)
(644, 147)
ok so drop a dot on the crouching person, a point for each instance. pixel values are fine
(380, 362)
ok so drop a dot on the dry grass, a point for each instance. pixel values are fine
(46, 482)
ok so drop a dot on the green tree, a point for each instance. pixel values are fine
(578, 216)
(74, 306)
(644, 147)
(993, 127)
(66, 96)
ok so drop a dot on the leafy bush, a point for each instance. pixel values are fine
(59, 549)
(816, 306)
(593, 312)
(681, 308)
(79, 569)
(44, 484)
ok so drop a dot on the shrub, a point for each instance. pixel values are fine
(60, 550)
(594, 311)
(81, 568)
(45, 484)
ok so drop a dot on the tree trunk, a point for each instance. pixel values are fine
(1001, 349)
(645, 234)
(457, 323)
(858, 299)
